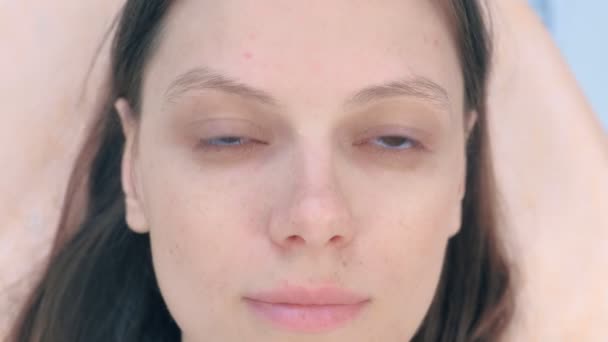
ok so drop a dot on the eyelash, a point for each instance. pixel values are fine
(249, 143)
(208, 145)
(412, 144)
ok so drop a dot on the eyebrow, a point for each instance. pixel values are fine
(200, 79)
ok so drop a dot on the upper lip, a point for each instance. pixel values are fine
(301, 295)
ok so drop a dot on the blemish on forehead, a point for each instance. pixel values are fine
(247, 55)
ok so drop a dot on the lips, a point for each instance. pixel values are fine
(299, 295)
(303, 309)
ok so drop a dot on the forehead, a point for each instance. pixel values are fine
(314, 52)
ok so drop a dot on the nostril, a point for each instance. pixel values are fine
(335, 239)
(294, 238)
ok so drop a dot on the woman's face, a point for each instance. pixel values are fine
(298, 145)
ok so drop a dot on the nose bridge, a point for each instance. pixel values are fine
(317, 189)
(317, 212)
(315, 168)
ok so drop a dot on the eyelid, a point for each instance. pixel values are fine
(230, 126)
(203, 144)
(380, 150)
(414, 134)
(414, 142)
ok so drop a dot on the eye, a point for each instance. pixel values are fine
(229, 142)
(395, 143)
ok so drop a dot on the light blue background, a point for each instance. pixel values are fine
(580, 28)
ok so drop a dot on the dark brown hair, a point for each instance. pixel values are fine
(99, 285)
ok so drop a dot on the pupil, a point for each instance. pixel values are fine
(394, 141)
(230, 140)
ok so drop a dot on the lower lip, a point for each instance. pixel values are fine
(307, 318)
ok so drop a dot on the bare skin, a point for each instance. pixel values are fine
(549, 150)
(49, 50)
(551, 159)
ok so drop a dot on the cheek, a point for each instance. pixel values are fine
(405, 251)
(197, 252)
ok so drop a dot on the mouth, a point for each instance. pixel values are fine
(310, 310)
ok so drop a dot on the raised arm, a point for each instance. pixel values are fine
(47, 48)
(551, 159)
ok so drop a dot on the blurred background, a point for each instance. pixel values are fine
(581, 31)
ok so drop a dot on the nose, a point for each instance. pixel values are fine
(316, 214)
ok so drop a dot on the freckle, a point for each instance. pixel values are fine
(173, 249)
(248, 55)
